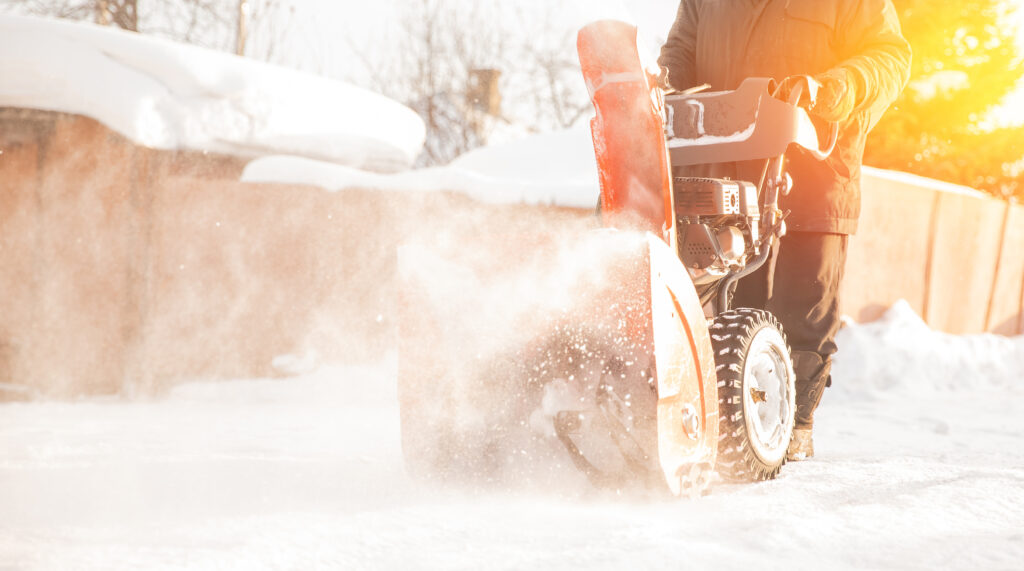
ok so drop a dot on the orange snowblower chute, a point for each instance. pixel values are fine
(629, 141)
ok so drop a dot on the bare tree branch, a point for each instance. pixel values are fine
(209, 23)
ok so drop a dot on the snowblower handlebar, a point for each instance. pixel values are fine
(798, 90)
(802, 91)
(749, 123)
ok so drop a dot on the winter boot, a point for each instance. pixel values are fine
(802, 445)
(812, 376)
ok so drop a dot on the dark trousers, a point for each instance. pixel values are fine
(800, 285)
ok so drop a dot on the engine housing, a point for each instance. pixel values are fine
(715, 197)
(717, 221)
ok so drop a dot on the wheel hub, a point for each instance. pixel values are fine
(767, 395)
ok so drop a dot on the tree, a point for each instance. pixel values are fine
(966, 61)
(255, 28)
(430, 67)
(443, 50)
(121, 13)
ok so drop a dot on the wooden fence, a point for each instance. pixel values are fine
(956, 256)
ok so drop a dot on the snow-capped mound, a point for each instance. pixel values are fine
(899, 353)
(551, 168)
(554, 168)
(172, 96)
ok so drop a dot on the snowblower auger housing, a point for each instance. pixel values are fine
(634, 364)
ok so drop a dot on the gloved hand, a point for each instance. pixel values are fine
(663, 80)
(836, 97)
(786, 87)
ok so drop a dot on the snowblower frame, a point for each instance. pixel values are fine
(650, 377)
(652, 149)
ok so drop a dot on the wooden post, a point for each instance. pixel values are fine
(483, 93)
(103, 12)
(483, 100)
(1020, 315)
(929, 263)
(131, 8)
(243, 20)
(999, 262)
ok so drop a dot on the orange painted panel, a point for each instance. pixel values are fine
(67, 218)
(18, 236)
(232, 276)
(84, 256)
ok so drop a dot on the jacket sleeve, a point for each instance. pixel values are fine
(678, 55)
(876, 54)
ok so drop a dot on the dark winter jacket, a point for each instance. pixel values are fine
(722, 42)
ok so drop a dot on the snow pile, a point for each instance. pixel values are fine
(171, 96)
(899, 353)
(554, 168)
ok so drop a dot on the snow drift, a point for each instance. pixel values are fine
(900, 354)
(551, 169)
(172, 96)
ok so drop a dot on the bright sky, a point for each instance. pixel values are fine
(335, 38)
(332, 30)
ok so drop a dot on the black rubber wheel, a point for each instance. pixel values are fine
(756, 394)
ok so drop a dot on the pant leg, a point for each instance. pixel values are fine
(805, 292)
(805, 298)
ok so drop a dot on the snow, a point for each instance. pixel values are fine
(553, 168)
(171, 96)
(704, 140)
(920, 466)
(556, 168)
(886, 356)
(922, 182)
(920, 441)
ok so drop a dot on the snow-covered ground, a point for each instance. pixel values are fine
(920, 442)
(920, 466)
(167, 95)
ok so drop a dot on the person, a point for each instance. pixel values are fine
(856, 51)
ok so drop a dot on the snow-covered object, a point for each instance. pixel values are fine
(899, 353)
(920, 181)
(553, 168)
(172, 96)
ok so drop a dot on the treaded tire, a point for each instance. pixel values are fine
(756, 391)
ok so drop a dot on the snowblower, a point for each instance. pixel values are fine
(617, 351)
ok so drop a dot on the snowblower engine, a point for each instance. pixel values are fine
(719, 219)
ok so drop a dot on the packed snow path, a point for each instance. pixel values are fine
(912, 472)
